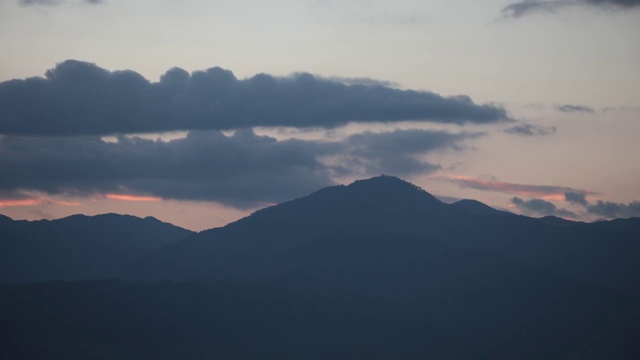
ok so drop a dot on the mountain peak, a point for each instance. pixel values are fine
(384, 193)
(389, 188)
(385, 181)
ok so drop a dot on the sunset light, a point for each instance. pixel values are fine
(125, 197)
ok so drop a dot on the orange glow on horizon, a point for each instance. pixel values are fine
(65, 203)
(43, 200)
(35, 202)
(125, 197)
(20, 202)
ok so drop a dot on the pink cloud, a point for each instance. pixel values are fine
(547, 192)
(126, 197)
(20, 202)
(35, 200)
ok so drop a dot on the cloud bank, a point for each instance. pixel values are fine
(599, 208)
(241, 170)
(568, 108)
(527, 7)
(605, 209)
(79, 98)
(541, 208)
(615, 210)
(531, 130)
(576, 198)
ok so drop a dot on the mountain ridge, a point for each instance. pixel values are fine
(460, 275)
(389, 207)
(78, 246)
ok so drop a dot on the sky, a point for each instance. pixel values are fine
(200, 112)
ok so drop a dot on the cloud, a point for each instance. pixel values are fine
(548, 192)
(79, 98)
(527, 7)
(19, 202)
(614, 210)
(29, 198)
(531, 130)
(241, 170)
(575, 108)
(576, 198)
(541, 207)
(542, 194)
(395, 152)
(137, 198)
(54, 2)
(605, 209)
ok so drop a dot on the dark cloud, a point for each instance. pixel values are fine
(575, 108)
(395, 152)
(79, 98)
(541, 207)
(605, 209)
(531, 130)
(241, 170)
(526, 7)
(615, 210)
(54, 2)
(576, 198)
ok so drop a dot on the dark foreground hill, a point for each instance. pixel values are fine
(221, 320)
(78, 247)
(196, 320)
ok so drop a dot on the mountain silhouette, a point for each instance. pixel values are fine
(79, 246)
(601, 254)
(379, 268)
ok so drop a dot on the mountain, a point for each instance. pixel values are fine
(592, 253)
(629, 225)
(78, 247)
(376, 269)
(376, 207)
(273, 240)
(542, 286)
